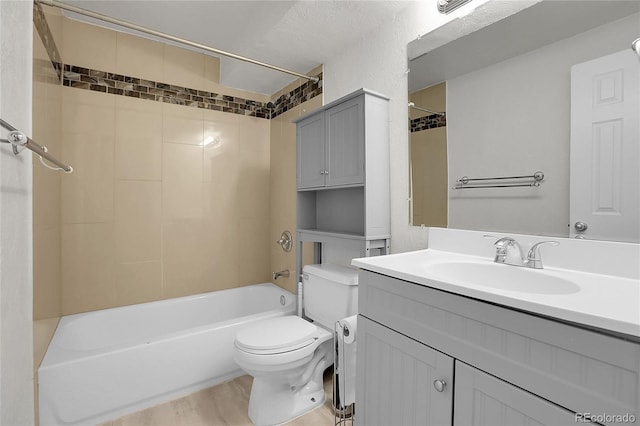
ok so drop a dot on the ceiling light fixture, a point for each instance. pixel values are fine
(448, 6)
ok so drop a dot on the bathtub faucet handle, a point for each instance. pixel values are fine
(285, 241)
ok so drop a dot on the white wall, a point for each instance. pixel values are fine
(16, 283)
(379, 62)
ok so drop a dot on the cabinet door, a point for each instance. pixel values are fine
(311, 152)
(395, 379)
(482, 399)
(344, 127)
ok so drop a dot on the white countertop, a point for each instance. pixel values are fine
(607, 302)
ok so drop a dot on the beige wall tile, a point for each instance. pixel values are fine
(220, 195)
(138, 143)
(222, 155)
(88, 267)
(221, 259)
(211, 70)
(254, 134)
(138, 282)
(182, 278)
(182, 124)
(182, 240)
(47, 130)
(46, 182)
(283, 199)
(47, 273)
(139, 57)
(253, 251)
(183, 67)
(86, 111)
(253, 186)
(138, 219)
(88, 45)
(182, 188)
(88, 135)
(87, 193)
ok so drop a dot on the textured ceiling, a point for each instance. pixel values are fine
(297, 35)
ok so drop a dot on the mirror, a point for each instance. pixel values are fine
(506, 91)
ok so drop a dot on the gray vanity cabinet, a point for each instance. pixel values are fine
(397, 376)
(484, 400)
(509, 367)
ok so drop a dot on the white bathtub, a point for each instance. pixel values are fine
(104, 364)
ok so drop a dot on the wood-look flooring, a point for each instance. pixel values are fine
(224, 404)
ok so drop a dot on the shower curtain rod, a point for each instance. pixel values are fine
(17, 138)
(55, 3)
(412, 105)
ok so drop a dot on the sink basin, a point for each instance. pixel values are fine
(503, 277)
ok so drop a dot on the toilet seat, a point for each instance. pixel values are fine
(277, 335)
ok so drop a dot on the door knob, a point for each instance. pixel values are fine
(580, 226)
(439, 385)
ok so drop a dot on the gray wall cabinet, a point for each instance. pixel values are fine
(343, 175)
(331, 146)
(508, 367)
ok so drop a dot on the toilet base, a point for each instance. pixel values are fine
(276, 403)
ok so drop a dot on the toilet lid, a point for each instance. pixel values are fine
(277, 335)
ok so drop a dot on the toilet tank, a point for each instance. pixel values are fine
(330, 293)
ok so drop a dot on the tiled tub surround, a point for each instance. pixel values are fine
(172, 182)
(154, 211)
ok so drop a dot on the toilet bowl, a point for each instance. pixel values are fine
(287, 377)
(287, 356)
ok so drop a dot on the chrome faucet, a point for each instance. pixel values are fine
(509, 252)
(534, 260)
(279, 274)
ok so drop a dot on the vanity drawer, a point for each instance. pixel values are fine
(579, 369)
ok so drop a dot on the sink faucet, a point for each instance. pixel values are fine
(509, 252)
(534, 260)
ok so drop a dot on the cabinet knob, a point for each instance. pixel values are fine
(439, 385)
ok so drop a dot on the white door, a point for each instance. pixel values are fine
(605, 154)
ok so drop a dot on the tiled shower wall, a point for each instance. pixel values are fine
(47, 130)
(165, 200)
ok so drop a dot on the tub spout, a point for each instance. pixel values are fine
(279, 274)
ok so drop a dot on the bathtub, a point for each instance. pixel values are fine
(104, 364)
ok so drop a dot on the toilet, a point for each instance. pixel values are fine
(287, 355)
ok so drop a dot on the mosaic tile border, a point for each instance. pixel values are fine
(40, 22)
(297, 96)
(118, 84)
(427, 122)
